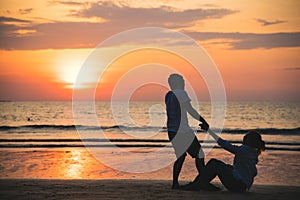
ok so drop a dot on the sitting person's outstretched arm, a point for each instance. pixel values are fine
(223, 143)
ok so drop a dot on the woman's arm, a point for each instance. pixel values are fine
(223, 143)
(215, 136)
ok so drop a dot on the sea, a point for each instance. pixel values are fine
(39, 138)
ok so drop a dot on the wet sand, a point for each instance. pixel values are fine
(274, 168)
(129, 189)
(75, 174)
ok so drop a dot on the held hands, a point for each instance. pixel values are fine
(204, 125)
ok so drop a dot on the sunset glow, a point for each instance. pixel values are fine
(68, 66)
(255, 45)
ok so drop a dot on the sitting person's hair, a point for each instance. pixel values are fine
(253, 139)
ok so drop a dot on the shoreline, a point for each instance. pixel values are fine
(80, 164)
(129, 189)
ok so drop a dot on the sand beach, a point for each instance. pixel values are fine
(21, 189)
(65, 175)
(45, 158)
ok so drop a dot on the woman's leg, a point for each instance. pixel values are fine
(200, 165)
(218, 168)
(176, 170)
(196, 152)
(212, 169)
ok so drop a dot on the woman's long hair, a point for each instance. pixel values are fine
(253, 139)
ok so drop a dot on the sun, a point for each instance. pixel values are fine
(68, 64)
(68, 72)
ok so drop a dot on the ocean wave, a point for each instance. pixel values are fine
(57, 127)
(45, 127)
(279, 148)
(34, 128)
(116, 140)
(124, 143)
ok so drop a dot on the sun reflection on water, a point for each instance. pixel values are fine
(75, 164)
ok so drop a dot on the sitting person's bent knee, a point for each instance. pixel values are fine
(213, 161)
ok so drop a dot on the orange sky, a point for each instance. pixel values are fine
(255, 45)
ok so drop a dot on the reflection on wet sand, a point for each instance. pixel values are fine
(78, 163)
(75, 164)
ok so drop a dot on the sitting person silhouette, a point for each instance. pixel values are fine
(182, 137)
(238, 177)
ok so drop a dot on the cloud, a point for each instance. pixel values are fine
(59, 35)
(292, 68)
(150, 16)
(264, 22)
(117, 18)
(56, 35)
(67, 3)
(210, 5)
(240, 41)
(25, 11)
(11, 19)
